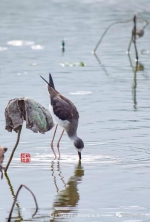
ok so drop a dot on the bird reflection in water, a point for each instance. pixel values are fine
(67, 199)
(138, 67)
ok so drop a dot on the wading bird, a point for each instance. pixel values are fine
(65, 114)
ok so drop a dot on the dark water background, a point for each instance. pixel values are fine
(112, 183)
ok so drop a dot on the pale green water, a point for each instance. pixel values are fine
(114, 110)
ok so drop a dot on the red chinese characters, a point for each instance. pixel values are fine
(25, 158)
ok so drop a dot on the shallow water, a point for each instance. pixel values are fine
(112, 183)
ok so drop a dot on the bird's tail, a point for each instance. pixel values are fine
(51, 88)
(51, 81)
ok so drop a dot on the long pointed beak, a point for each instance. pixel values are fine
(45, 81)
(79, 154)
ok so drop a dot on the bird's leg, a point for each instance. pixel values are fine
(59, 142)
(53, 141)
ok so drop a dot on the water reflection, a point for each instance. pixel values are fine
(138, 67)
(19, 217)
(137, 32)
(67, 199)
(99, 61)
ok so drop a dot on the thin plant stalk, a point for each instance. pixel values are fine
(134, 37)
(134, 81)
(135, 85)
(136, 52)
(15, 199)
(114, 23)
(129, 45)
(146, 22)
(13, 194)
(130, 62)
(99, 61)
(18, 138)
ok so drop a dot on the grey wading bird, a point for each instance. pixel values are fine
(65, 114)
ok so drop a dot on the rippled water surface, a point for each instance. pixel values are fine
(112, 181)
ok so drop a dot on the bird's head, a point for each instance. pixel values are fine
(79, 145)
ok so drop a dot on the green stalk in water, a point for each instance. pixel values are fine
(15, 199)
(114, 23)
(18, 138)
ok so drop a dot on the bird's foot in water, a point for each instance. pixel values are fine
(51, 145)
(58, 151)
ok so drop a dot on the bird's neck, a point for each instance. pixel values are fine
(74, 137)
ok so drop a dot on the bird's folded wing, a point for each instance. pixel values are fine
(64, 109)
